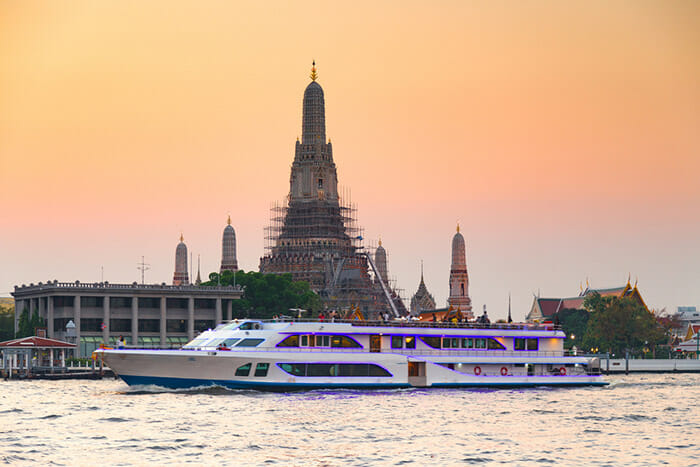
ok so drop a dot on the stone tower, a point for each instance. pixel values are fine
(181, 277)
(313, 236)
(228, 249)
(380, 263)
(459, 279)
(422, 300)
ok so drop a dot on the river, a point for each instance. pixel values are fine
(649, 419)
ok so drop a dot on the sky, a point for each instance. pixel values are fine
(563, 137)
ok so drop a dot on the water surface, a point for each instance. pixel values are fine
(637, 420)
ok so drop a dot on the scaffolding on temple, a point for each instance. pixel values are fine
(321, 243)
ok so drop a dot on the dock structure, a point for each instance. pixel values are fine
(34, 354)
(147, 315)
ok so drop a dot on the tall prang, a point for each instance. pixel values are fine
(228, 249)
(459, 278)
(314, 237)
(380, 263)
(181, 277)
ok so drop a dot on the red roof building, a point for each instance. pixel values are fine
(26, 353)
(545, 309)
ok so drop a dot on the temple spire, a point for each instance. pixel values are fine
(313, 74)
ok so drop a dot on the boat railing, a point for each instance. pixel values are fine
(418, 324)
(406, 352)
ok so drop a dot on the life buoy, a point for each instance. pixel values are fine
(504, 371)
(562, 371)
(477, 370)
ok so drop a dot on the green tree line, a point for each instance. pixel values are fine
(267, 295)
(613, 324)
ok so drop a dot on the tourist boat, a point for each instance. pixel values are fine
(293, 354)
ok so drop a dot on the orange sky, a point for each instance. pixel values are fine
(563, 136)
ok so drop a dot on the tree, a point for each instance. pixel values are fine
(574, 323)
(7, 322)
(619, 324)
(24, 328)
(266, 295)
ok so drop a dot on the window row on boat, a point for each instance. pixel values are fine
(478, 343)
(334, 369)
(311, 340)
(222, 343)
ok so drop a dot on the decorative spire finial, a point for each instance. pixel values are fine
(421, 270)
(313, 74)
(182, 238)
(380, 241)
(457, 227)
(229, 220)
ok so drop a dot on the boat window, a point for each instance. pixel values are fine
(467, 343)
(230, 341)
(410, 342)
(296, 369)
(195, 343)
(376, 370)
(396, 342)
(312, 341)
(230, 326)
(446, 344)
(250, 342)
(493, 344)
(250, 325)
(522, 343)
(344, 341)
(304, 341)
(480, 343)
(290, 341)
(321, 369)
(323, 341)
(243, 370)
(261, 369)
(431, 341)
(334, 369)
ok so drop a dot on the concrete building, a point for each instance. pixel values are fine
(228, 249)
(459, 278)
(145, 314)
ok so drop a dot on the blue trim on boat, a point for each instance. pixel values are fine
(184, 383)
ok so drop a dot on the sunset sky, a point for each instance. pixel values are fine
(564, 137)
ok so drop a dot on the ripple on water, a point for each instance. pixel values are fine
(217, 426)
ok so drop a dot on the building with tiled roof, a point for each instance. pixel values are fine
(546, 309)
